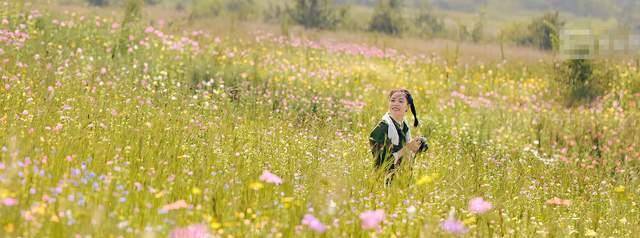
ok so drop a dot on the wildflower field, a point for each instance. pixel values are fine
(119, 128)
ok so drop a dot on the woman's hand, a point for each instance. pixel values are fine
(414, 144)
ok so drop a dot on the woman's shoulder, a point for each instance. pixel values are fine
(380, 131)
(382, 124)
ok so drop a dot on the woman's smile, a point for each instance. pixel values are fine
(398, 105)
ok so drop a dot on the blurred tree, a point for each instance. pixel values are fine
(477, 32)
(316, 14)
(273, 12)
(99, 3)
(387, 17)
(544, 31)
(427, 23)
(241, 9)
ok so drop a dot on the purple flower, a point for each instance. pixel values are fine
(372, 219)
(478, 205)
(313, 223)
(268, 177)
(192, 231)
(453, 226)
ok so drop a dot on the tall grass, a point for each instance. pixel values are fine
(96, 145)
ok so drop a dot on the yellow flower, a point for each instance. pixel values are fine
(427, 179)
(196, 191)
(256, 186)
(470, 220)
(9, 228)
(215, 225)
(39, 209)
(590, 233)
(424, 180)
(159, 194)
(287, 199)
(619, 189)
(54, 218)
(4, 193)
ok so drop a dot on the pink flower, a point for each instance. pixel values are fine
(313, 223)
(479, 205)
(453, 226)
(268, 177)
(371, 219)
(9, 202)
(192, 231)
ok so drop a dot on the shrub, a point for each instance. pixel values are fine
(316, 14)
(477, 32)
(517, 33)
(541, 32)
(387, 18)
(273, 12)
(241, 9)
(544, 31)
(582, 80)
(427, 24)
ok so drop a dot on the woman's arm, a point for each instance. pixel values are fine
(378, 143)
(408, 151)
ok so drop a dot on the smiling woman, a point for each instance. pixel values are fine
(389, 138)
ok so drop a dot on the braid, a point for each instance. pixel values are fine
(413, 109)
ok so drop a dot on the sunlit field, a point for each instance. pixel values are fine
(118, 128)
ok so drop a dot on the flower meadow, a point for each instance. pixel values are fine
(111, 128)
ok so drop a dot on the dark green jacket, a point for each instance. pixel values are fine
(381, 146)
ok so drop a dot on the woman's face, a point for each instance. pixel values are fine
(398, 104)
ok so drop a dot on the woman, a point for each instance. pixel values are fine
(389, 139)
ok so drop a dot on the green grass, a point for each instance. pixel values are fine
(94, 152)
